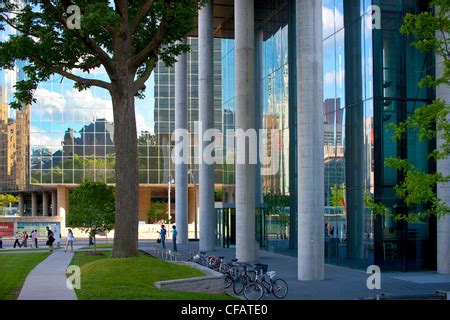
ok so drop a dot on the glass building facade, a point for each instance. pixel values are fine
(398, 68)
(14, 129)
(72, 133)
(164, 114)
(370, 81)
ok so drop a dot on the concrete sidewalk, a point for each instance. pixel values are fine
(340, 283)
(47, 281)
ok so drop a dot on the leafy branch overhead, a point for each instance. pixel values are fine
(136, 32)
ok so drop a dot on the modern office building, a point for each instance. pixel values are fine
(323, 79)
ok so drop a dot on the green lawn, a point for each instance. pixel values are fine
(103, 278)
(99, 246)
(28, 249)
(14, 269)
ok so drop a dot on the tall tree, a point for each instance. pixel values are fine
(126, 38)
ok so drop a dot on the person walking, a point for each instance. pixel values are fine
(70, 240)
(34, 238)
(31, 237)
(162, 234)
(91, 240)
(174, 237)
(50, 239)
(17, 242)
(25, 239)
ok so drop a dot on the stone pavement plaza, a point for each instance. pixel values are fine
(340, 283)
(48, 280)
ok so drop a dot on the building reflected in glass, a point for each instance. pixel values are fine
(371, 81)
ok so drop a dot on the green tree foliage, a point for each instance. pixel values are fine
(337, 195)
(157, 212)
(276, 205)
(418, 189)
(92, 208)
(126, 38)
(218, 195)
(5, 200)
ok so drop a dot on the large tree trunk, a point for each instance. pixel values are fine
(127, 178)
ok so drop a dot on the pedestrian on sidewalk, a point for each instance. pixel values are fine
(70, 240)
(17, 242)
(162, 234)
(50, 239)
(91, 240)
(1, 242)
(174, 237)
(34, 238)
(25, 239)
(31, 237)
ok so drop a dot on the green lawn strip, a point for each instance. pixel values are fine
(27, 249)
(104, 278)
(99, 246)
(14, 268)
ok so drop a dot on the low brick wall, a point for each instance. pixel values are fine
(211, 283)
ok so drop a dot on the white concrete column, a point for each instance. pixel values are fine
(259, 109)
(206, 117)
(310, 140)
(21, 204)
(33, 204)
(443, 190)
(244, 34)
(54, 203)
(44, 204)
(62, 195)
(181, 175)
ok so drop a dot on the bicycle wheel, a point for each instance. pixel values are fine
(239, 285)
(228, 281)
(279, 288)
(253, 291)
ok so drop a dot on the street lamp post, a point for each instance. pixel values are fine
(169, 203)
(195, 204)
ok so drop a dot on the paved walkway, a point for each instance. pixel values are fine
(340, 283)
(47, 281)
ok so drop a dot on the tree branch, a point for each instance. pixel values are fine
(16, 27)
(88, 82)
(152, 46)
(140, 15)
(71, 76)
(140, 82)
(122, 9)
(96, 50)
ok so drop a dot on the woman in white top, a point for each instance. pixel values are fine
(70, 240)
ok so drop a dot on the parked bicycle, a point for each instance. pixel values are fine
(247, 274)
(266, 284)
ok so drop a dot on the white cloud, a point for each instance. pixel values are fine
(330, 17)
(80, 108)
(40, 138)
(330, 77)
(73, 106)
